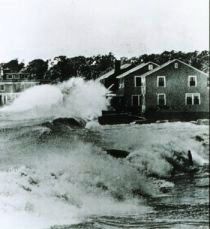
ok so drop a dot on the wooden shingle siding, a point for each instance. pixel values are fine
(177, 85)
(130, 88)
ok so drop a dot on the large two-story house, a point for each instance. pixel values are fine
(12, 84)
(174, 87)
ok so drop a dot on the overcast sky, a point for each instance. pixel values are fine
(47, 28)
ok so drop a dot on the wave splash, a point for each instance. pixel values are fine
(73, 98)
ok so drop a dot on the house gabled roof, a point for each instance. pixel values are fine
(135, 69)
(109, 73)
(106, 75)
(169, 62)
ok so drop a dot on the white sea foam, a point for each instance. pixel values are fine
(64, 180)
(73, 98)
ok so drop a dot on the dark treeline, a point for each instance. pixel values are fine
(62, 68)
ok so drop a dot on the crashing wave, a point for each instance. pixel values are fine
(75, 98)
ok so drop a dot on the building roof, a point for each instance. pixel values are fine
(169, 62)
(109, 73)
(135, 69)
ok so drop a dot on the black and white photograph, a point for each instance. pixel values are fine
(104, 114)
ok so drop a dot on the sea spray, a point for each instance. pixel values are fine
(73, 98)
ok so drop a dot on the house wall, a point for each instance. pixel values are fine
(176, 87)
(130, 88)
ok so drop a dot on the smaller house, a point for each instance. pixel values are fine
(174, 87)
(12, 84)
(109, 80)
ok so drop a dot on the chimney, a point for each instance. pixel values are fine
(117, 66)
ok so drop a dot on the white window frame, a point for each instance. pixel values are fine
(141, 81)
(176, 65)
(16, 76)
(158, 77)
(121, 83)
(138, 100)
(9, 77)
(192, 95)
(158, 95)
(3, 87)
(150, 67)
(192, 76)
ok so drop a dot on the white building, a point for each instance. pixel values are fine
(12, 84)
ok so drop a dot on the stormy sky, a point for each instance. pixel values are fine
(47, 28)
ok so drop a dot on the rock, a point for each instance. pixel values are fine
(58, 123)
(69, 122)
(117, 153)
(199, 138)
(181, 163)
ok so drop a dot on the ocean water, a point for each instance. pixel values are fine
(60, 176)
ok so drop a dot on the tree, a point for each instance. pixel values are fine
(37, 67)
(14, 65)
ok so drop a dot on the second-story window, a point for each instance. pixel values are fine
(121, 83)
(192, 81)
(138, 81)
(150, 67)
(161, 81)
(176, 65)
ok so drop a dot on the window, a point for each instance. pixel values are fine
(9, 76)
(161, 99)
(161, 81)
(138, 81)
(150, 67)
(196, 99)
(208, 82)
(192, 99)
(192, 81)
(176, 65)
(135, 100)
(122, 83)
(189, 100)
(2, 87)
(16, 76)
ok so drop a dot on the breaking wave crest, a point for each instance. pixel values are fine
(73, 98)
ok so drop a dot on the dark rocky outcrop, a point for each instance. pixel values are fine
(117, 153)
(181, 163)
(70, 122)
